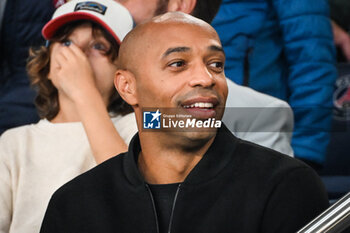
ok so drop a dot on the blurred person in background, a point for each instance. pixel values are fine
(285, 49)
(276, 136)
(21, 23)
(340, 15)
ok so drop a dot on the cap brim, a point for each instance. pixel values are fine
(51, 27)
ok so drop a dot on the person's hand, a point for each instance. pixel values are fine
(73, 76)
(341, 40)
(70, 71)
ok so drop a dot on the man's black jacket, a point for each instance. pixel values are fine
(238, 187)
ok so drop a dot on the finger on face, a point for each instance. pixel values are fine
(76, 50)
(58, 50)
(55, 50)
(60, 60)
(67, 52)
(74, 55)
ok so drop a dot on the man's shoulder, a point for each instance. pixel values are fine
(93, 181)
(252, 155)
(268, 171)
(266, 160)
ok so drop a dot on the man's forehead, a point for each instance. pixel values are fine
(168, 31)
(174, 32)
(173, 25)
(163, 40)
(210, 48)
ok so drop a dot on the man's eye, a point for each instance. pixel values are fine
(177, 64)
(217, 64)
(67, 42)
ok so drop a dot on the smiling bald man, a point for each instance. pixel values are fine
(198, 180)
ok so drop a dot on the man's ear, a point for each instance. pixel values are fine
(186, 6)
(125, 83)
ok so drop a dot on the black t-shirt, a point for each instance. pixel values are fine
(163, 195)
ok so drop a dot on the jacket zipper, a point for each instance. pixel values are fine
(153, 205)
(173, 208)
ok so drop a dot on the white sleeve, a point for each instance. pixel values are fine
(5, 191)
(259, 118)
(273, 128)
(126, 126)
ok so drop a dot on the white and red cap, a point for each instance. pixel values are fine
(111, 15)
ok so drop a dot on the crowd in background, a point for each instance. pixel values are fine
(278, 49)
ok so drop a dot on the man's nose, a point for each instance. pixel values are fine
(201, 76)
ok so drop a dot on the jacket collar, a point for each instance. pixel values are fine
(213, 161)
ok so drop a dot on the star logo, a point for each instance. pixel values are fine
(151, 120)
(156, 115)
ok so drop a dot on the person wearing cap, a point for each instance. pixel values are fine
(201, 180)
(74, 76)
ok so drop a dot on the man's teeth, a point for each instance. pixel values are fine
(199, 105)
